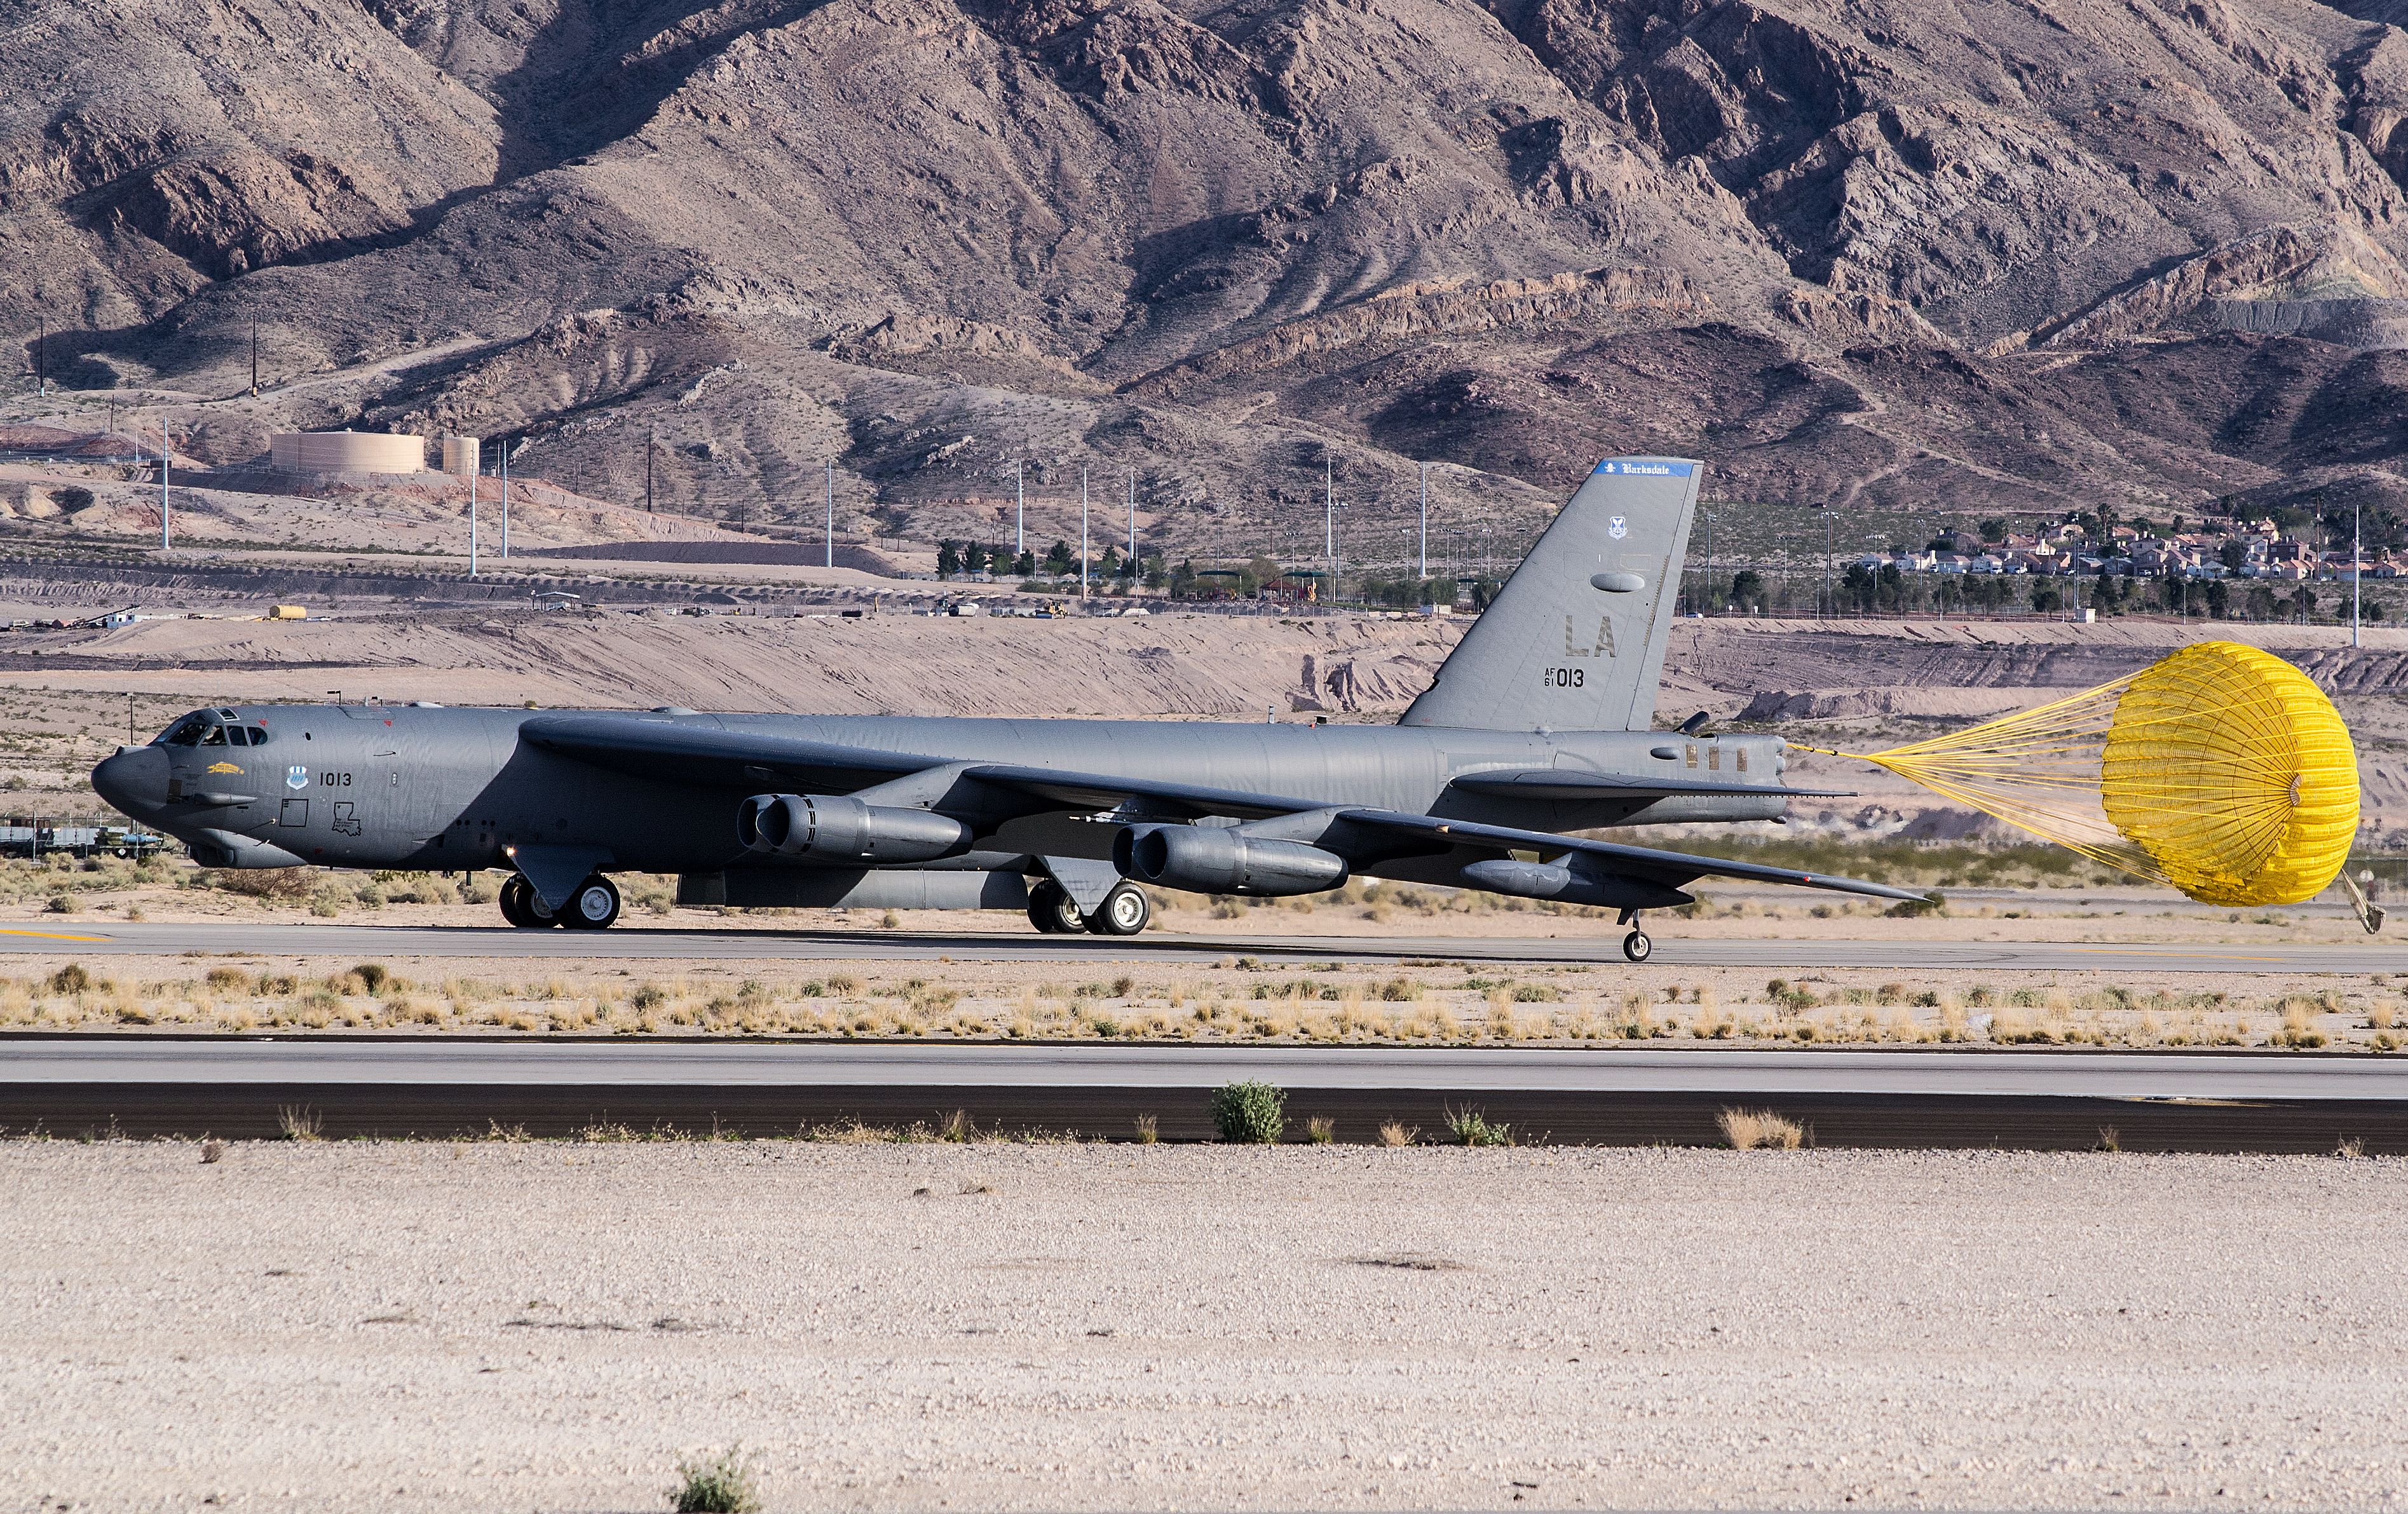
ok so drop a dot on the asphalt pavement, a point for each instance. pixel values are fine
(750, 944)
(141, 1084)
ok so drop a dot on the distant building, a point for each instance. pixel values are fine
(346, 452)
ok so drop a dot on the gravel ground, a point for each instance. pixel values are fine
(500, 1326)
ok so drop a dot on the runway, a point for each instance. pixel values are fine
(1597, 946)
(361, 1085)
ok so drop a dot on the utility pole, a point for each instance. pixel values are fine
(42, 355)
(1424, 570)
(479, 468)
(254, 356)
(2356, 568)
(1132, 523)
(1082, 531)
(1020, 527)
(651, 440)
(506, 499)
(831, 512)
(165, 450)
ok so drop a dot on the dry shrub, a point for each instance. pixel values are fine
(1396, 1134)
(1149, 1130)
(1749, 1130)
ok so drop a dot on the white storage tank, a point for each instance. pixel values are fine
(346, 452)
(460, 456)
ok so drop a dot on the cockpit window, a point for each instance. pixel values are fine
(187, 732)
(213, 735)
(258, 735)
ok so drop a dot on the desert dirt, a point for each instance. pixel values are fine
(554, 1326)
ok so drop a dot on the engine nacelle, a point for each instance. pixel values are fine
(836, 829)
(1204, 859)
(1570, 885)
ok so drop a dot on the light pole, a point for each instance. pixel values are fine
(1425, 552)
(2356, 568)
(1082, 531)
(506, 499)
(164, 451)
(478, 467)
(1328, 522)
(1710, 563)
(831, 512)
(1020, 529)
(1132, 525)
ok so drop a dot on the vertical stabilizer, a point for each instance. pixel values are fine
(1575, 640)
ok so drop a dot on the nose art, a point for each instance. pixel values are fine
(134, 778)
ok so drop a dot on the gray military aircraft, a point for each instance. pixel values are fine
(1537, 725)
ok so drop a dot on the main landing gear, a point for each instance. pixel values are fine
(593, 908)
(1123, 912)
(1635, 947)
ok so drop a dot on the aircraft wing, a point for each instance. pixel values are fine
(678, 753)
(1563, 784)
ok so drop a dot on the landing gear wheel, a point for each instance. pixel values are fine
(1125, 912)
(1637, 946)
(592, 907)
(522, 909)
(1052, 911)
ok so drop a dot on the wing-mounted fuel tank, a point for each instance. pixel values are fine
(1211, 859)
(1576, 880)
(832, 828)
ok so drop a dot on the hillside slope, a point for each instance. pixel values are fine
(2009, 256)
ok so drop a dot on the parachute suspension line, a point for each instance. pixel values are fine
(2220, 770)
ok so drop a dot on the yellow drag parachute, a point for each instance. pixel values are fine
(2221, 770)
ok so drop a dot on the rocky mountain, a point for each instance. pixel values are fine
(1988, 255)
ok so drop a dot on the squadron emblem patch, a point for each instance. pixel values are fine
(296, 777)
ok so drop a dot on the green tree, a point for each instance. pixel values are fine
(974, 560)
(948, 560)
(1025, 565)
(1058, 560)
(1994, 530)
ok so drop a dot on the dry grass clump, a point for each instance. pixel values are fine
(1393, 1134)
(1750, 1130)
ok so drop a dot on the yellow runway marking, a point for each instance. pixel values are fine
(56, 935)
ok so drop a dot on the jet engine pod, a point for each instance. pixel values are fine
(1211, 859)
(1572, 884)
(835, 828)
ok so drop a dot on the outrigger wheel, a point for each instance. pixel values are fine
(1052, 910)
(1636, 946)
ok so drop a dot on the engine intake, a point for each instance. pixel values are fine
(834, 828)
(1220, 860)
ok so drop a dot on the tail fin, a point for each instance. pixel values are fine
(1575, 640)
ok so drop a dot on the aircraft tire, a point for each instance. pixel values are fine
(521, 907)
(1637, 946)
(1053, 911)
(1126, 911)
(594, 907)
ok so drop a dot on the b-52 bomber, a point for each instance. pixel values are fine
(1537, 725)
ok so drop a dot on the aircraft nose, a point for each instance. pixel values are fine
(134, 778)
